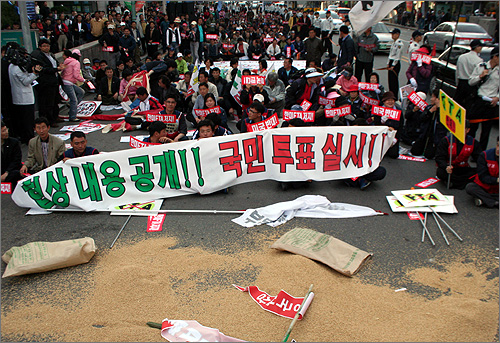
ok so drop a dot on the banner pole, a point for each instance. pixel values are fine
(289, 331)
(119, 233)
(452, 41)
(449, 174)
(440, 229)
(445, 223)
(131, 212)
(425, 231)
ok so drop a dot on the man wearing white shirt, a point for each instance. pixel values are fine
(465, 66)
(326, 27)
(394, 61)
(274, 50)
(415, 43)
(316, 23)
(484, 110)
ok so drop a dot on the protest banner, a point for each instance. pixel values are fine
(396, 206)
(101, 181)
(386, 111)
(223, 64)
(86, 109)
(253, 80)
(192, 331)
(85, 127)
(202, 113)
(416, 56)
(139, 208)
(327, 101)
(166, 118)
(6, 188)
(265, 124)
(411, 158)
(415, 215)
(227, 46)
(307, 116)
(135, 143)
(403, 94)
(368, 86)
(426, 183)
(155, 223)
(211, 36)
(417, 101)
(108, 49)
(268, 39)
(339, 111)
(421, 197)
(248, 64)
(452, 115)
(305, 105)
(368, 100)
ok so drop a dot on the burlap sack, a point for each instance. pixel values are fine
(38, 257)
(329, 250)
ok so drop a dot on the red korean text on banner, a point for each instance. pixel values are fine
(283, 304)
(166, 118)
(417, 101)
(266, 124)
(367, 100)
(368, 86)
(367, 46)
(339, 111)
(288, 52)
(155, 223)
(305, 105)
(108, 48)
(415, 56)
(386, 111)
(135, 143)
(189, 92)
(6, 188)
(411, 158)
(268, 39)
(228, 46)
(307, 116)
(326, 101)
(253, 80)
(415, 215)
(427, 183)
(204, 112)
(212, 36)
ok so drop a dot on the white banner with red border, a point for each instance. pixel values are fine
(386, 111)
(266, 124)
(417, 101)
(307, 116)
(338, 111)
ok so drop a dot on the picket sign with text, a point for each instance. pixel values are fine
(326, 101)
(212, 36)
(417, 101)
(368, 100)
(283, 304)
(368, 86)
(204, 112)
(265, 124)
(6, 188)
(108, 48)
(87, 108)
(339, 111)
(452, 116)
(415, 215)
(305, 105)
(90, 84)
(166, 118)
(253, 80)
(427, 183)
(386, 111)
(98, 182)
(307, 116)
(227, 46)
(155, 223)
(415, 56)
(411, 158)
(135, 143)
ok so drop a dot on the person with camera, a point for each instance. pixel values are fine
(48, 82)
(22, 73)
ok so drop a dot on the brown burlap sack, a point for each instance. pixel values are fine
(329, 250)
(38, 257)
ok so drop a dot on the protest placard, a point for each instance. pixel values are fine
(339, 111)
(386, 111)
(307, 116)
(452, 115)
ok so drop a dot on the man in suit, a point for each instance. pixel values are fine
(108, 88)
(11, 157)
(79, 31)
(347, 50)
(44, 149)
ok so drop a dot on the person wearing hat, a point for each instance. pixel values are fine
(181, 63)
(419, 74)
(484, 109)
(389, 100)
(257, 112)
(88, 74)
(416, 38)
(111, 40)
(96, 64)
(327, 27)
(345, 80)
(173, 35)
(394, 61)
(465, 66)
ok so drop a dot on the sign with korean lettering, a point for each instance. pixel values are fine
(326, 101)
(135, 143)
(253, 80)
(6, 188)
(166, 118)
(427, 183)
(416, 56)
(368, 86)
(265, 124)
(452, 116)
(421, 197)
(417, 101)
(307, 116)
(305, 105)
(155, 223)
(386, 111)
(212, 36)
(368, 100)
(87, 108)
(339, 111)
(268, 39)
(227, 46)
(204, 112)
(108, 48)
(283, 304)
(102, 181)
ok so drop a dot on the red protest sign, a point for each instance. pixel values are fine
(411, 158)
(367, 86)
(415, 215)
(166, 118)
(386, 111)
(326, 101)
(339, 111)
(268, 39)
(155, 223)
(6, 188)
(108, 48)
(228, 46)
(90, 85)
(305, 105)
(135, 143)
(266, 124)
(417, 101)
(427, 183)
(415, 56)
(307, 116)
(367, 46)
(368, 100)
(253, 80)
(212, 36)
(283, 304)
(204, 112)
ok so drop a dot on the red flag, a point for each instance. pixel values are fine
(433, 53)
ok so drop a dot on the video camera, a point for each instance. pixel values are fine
(20, 57)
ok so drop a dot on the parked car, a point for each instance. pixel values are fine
(333, 7)
(342, 12)
(443, 34)
(445, 75)
(336, 20)
(384, 36)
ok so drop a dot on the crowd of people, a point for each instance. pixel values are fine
(187, 86)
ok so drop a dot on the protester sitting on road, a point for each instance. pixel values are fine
(127, 76)
(79, 147)
(43, 150)
(211, 102)
(416, 122)
(88, 74)
(249, 91)
(100, 72)
(205, 129)
(177, 130)
(203, 90)
(346, 80)
(389, 100)
(484, 189)
(218, 129)
(255, 115)
(109, 88)
(286, 72)
(276, 91)
(460, 169)
(11, 157)
(157, 133)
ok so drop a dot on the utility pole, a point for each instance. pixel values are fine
(25, 26)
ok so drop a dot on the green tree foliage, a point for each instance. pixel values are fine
(9, 14)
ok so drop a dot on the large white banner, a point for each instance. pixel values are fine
(367, 13)
(204, 166)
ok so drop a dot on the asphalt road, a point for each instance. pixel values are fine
(393, 239)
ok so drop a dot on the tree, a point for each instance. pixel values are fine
(9, 14)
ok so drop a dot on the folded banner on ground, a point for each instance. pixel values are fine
(307, 206)
(283, 304)
(98, 182)
(192, 331)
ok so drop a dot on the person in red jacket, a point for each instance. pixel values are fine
(484, 189)
(61, 31)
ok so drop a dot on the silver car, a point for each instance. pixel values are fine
(384, 36)
(466, 32)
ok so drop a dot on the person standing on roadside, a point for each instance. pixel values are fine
(394, 61)
(465, 66)
(347, 50)
(70, 76)
(366, 47)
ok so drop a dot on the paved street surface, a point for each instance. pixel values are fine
(393, 239)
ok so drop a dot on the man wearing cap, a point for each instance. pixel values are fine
(416, 38)
(181, 63)
(112, 41)
(465, 66)
(394, 61)
(173, 35)
(347, 49)
(484, 110)
(366, 47)
(327, 26)
(420, 74)
(88, 74)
